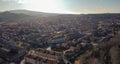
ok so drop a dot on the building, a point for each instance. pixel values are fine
(42, 56)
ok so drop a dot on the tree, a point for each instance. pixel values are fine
(115, 54)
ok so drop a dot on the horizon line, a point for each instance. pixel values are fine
(59, 13)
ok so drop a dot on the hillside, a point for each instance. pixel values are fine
(33, 13)
(105, 53)
(7, 16)
(17, 15)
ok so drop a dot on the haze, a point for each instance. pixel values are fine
(63, 6)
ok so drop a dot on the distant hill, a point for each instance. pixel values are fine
(33, 13)
(8, 16)
(25, 15)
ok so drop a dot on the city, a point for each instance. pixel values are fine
(56, 42)
(59, 31)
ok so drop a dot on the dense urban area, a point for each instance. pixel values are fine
(59, 38)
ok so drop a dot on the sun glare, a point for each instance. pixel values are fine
(50, 6)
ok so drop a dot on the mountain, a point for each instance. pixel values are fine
(33, 13)
(8, 16)
(25, 15)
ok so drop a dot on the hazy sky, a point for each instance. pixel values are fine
(63, 6)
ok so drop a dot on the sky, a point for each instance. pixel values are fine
(63, 6)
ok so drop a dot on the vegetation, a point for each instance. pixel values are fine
(1, 60)
(105, 53)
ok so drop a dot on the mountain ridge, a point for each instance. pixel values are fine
(33, 13)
